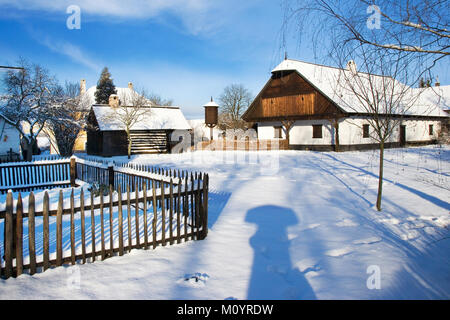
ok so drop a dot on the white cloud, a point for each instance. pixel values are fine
(196, 15)
(68, 49)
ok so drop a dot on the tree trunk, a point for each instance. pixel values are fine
(380, 176)
(27, 149)
(336, 137)
(129, 144)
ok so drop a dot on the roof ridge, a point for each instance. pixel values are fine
(333, 67)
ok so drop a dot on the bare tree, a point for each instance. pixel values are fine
(421, 28)
(31, 95)
(69, 118)
(158, 100)
(373, 90)
(133, 107)
(234, 101)
(394, 44)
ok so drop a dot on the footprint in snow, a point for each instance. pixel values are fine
(392, 221)
(194, 280)
(367, 240)
(347, 223)
(308, 265)
(410, 235)
(339, 252)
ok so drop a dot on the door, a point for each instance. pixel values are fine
(402, 135)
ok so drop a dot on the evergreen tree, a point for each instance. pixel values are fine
(105, 87)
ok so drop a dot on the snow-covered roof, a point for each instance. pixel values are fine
(196, 122)
(439, 96)
(211, 104)
(329, 81)
(158, 118)
(125, 95)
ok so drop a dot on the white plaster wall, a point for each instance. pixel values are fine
(12, 137)
(266, 130)
(350, 132)
(302, 133)
(418, 130)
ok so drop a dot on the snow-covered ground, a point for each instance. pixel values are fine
(287, 225)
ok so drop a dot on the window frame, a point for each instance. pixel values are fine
(278, 132)
(366, 131)
(315, 128)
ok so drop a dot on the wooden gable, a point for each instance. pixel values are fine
(288, 96)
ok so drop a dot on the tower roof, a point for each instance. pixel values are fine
(211, 104)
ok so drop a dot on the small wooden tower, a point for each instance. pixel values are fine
(211, 115)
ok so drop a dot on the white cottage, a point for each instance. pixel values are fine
(9, 141)
(302, 103)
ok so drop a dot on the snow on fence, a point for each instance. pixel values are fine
(63, 172)
(145, 207)
(27, 176)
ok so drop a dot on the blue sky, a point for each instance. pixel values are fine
(186, 50)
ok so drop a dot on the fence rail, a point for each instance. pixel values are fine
(243, 145)
(24, 176)
(63, 172)
(143, 207)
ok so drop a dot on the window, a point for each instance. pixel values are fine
(365, 131)
(317, 131)
(430, 129)
(278, 132)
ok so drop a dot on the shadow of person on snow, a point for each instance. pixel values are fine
(273, 276)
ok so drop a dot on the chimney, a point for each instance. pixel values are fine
(130, 85)
(113, 101)
(437, 83)
(351, 66)
(82, 86)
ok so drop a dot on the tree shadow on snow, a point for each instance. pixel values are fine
(438, 202)
(216, 202)
(273, 276)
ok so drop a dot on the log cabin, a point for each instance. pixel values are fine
(300, 103)
(106, 135)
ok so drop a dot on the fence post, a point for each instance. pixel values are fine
(19, 236)
(73, 171)
(111, 174)
(205, 206)
(9, 231)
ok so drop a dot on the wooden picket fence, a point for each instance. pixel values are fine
(161, 207)
(28, 176)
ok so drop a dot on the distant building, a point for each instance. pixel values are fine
(106, 135)
(202, 131)
(302, 94)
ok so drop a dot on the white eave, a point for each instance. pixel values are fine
(158, 118)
